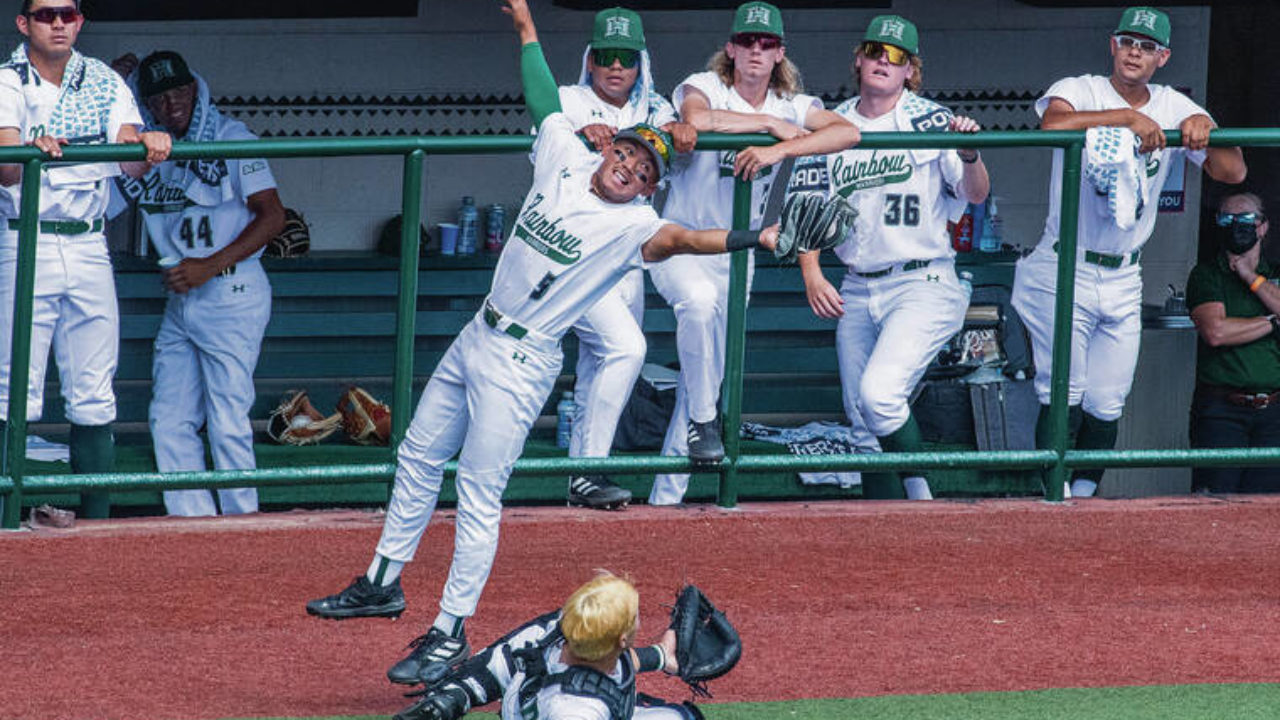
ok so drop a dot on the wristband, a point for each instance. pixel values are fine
(971, 159)
(650, 658)
(741, 240)
(1257, 283)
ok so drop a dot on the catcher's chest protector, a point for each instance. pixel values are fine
(619, 697)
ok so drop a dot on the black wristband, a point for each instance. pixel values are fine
(650, 658)
(969, 160)
(1275, 326)
(741, 240)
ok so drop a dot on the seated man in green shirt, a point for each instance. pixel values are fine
(1234, 301)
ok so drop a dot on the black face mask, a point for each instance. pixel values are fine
(1237, 238)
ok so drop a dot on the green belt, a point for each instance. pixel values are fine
(63, 227)
(1108, 261)
(493, 317)
(906, 267)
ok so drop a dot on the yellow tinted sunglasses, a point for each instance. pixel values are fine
(894, 54)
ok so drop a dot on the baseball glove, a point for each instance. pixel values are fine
(810, 222)
(293, 241)
(707, 644)
(365, 420)
(296, 421)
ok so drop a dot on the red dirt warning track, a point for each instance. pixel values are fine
(157, 618)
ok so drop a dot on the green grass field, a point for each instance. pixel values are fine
(1172, 702)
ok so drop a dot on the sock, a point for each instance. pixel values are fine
(887, 486)
(1082, 488)
(382, 571)
(450, 624)
(917, 488)
(1066, 490)
(93, 450)
(1095, 434)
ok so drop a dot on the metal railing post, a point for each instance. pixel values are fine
(20, 348)
(1063, 312)
(407, 305)
(734, 349)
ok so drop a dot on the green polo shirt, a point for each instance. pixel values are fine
(1252, 367)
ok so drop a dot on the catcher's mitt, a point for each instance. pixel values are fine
(293, 241)
(707, 644)
(296, 421)
(810, 222)
(364, 419)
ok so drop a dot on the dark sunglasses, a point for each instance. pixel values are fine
(46, 15)
(747, 40)
(607, 56)
(1248, 218)
(894, 54)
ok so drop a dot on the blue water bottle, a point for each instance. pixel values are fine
(564, 419)
(468, 226)
(992, 228)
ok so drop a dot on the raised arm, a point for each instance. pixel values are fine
(541, 96)
(675, 239)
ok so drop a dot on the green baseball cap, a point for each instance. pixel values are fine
(1147, 21)
(757, 17)
(656, 140)
(894, 30)
(617, 28)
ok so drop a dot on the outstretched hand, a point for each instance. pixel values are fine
(521, 19)
(769, 237)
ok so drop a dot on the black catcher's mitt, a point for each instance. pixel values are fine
(812, 222)
(707, 644)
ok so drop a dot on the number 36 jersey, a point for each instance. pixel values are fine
(904, 198)
(193, 208)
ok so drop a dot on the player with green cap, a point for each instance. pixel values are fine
(1107, 322)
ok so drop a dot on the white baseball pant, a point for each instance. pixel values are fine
(1106, 328)
(611, 348)
(892, 328)
(205, 354)
(75, 311)
(482, 398)
(697, 288)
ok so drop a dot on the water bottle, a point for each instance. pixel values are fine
(468, 222)
(962, 232)
(966, 281)
(564, 419)
(992, 228)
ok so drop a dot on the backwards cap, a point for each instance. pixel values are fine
(655, 140)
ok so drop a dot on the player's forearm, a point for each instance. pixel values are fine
(1225, 164)
(541, 96)
(268, 221)
(728, 121)
(832, 138)
(975, 181)
(1085, 119)
(134, 168)
(10, 175)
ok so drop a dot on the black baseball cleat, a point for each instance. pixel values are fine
(705, 446)
(432, 656)
(598, 492)
(361, 599)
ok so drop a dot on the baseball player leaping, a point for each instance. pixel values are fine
(900, 300)
(614, 90)
(1113, 226)
(577, 234)
(750, 86)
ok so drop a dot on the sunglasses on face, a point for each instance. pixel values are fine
(1148, 47)
(46, 15)
(747, 40)
(894, 54)
(606, 58)
(1247, 218)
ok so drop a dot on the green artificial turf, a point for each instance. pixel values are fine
(1171, 702)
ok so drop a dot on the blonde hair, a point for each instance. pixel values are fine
(914, 81)
(598, 615)
(785, 80)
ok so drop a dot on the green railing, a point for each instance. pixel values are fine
(1058, 460)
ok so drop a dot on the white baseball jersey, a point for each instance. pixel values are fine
(904, 198)
(1097, 230)
(584, 107)
(701, 195)
(566, 237)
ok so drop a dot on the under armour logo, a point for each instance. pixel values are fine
(519, 357)
(564, 174)
(237, 288)
(757, 16)
(161, 70)
(1145, 18)
(617, 26)
(892, 28)
(933, 278)
(597, 114)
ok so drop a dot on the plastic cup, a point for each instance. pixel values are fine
(169, 261)
(448, 239)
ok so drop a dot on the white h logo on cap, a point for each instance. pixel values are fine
(757, 16)
(162, 70)
(892, 28)
(617, 26)
(1145, 18)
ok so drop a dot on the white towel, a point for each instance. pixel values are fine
(1115, 168)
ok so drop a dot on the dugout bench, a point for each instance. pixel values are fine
(333, 324)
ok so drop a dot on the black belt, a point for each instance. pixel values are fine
(63, 227)
(905, 267)
(1109, 261)
(492, 318)
(1238, 397)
